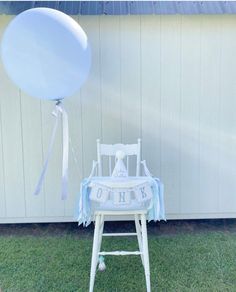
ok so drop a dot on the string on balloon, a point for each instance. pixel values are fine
(58, 112)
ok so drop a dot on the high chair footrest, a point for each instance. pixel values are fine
(119, 234)
(117, 253)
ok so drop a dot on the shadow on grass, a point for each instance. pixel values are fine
(172, 227)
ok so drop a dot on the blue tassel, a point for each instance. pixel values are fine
(101, 264)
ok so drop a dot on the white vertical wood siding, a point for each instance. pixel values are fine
(170, 80)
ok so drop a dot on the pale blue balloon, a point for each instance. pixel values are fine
(46, 53)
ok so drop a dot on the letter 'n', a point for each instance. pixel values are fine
(121, 197)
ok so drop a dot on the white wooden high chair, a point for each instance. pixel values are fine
(138, 213)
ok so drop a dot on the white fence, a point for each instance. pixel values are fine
(170, 80)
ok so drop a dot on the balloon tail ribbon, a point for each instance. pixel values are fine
(57, 111)
(65, 156)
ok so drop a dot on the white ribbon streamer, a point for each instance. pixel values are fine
(59, 110)
(65, 129)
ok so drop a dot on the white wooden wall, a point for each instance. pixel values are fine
(170, 80)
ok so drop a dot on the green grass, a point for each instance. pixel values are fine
(184, 262)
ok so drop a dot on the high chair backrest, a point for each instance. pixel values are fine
(109, 151)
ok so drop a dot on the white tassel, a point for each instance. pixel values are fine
(101, 265)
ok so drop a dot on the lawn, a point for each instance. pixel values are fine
(182, 261)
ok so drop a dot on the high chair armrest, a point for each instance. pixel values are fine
(94, 168)
(145, 168)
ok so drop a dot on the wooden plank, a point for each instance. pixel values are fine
(130, 83)
(170, 110)
(34, 219)
(33, 156)
(227, 117)
(110, 78)
(73, 107)
(2, 176)
(209, 114)
(189, 216)
(110, 82)
(12, 144)
(3, 24)
(91, 95)
(190, 91)
(76, 159)
(151, 92)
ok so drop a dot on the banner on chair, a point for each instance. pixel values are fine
(122, 196)
(99, 194)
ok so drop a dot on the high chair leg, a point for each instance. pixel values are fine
(95, 251)
(139, 235)
(101, 226)
(145, 252)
